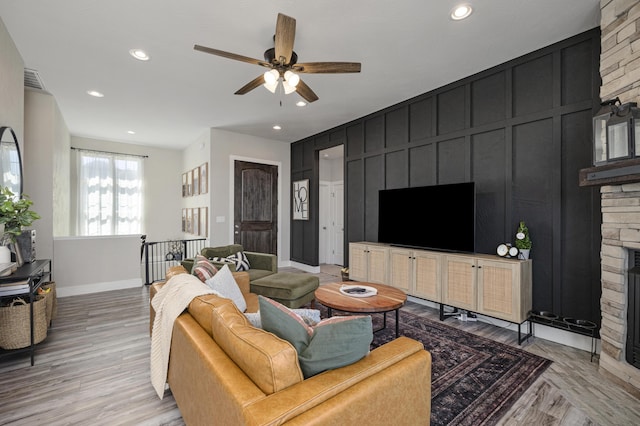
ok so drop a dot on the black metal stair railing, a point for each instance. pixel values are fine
(158, 256)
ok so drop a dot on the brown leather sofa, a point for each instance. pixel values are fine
(224, 371)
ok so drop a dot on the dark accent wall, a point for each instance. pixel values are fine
(521, 131)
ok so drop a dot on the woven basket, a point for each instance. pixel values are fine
(15, 331)
(51, 299)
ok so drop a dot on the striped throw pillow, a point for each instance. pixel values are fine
(202, 268)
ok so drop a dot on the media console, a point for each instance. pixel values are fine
(480, 283)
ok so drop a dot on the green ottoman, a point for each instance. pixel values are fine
(292, 289)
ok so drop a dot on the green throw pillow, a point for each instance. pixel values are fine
(332, 343)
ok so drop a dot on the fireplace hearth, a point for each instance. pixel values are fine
(633, 310)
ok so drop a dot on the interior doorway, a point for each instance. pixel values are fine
(331, 206)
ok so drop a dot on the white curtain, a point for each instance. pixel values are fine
(110, 188)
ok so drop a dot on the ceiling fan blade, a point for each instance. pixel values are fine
(285, 35)
(230, 55)
(256, 82)
(327, 67)
(306, 92)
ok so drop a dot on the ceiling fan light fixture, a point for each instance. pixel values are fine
(271, 86)
(301, 103)
(288, 88)
(271, 77)
(291, 78)
(461, 11)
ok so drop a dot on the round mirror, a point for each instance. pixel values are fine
(10, 161)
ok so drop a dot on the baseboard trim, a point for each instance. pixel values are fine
(307, 268)
(76, 290)
(541, 331)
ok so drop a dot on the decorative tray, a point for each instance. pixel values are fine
(358, 290)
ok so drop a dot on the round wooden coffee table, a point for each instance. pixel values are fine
(388, 299)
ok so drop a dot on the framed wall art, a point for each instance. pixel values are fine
(301, 200)
(190, 183)
(184, 185)
(204, 178)
(196, 181)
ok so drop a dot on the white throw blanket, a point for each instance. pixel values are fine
(170, 301)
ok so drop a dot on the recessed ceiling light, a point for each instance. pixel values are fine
(277, 127)
(139, 54)
(95, 93)
(461, 11)
(301, 103)
(131, 132)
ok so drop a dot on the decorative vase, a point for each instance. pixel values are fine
(18, 252)
(524, 254)
(5, 257)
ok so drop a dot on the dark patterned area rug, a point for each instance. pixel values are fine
(474, 380)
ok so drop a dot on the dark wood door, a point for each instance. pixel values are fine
(256, 206)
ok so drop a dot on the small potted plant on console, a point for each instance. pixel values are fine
(523, 242)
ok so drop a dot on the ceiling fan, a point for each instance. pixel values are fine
(282, 63)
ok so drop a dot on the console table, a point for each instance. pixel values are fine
(480, 283)
(34, 275)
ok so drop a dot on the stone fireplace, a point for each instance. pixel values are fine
(620, 232)
(620, 73)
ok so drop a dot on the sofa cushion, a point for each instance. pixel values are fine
(270, 362)
(203, 269)
(332, 343)
(256, 274)
(224, 283)
(292, 289)
(221, 251)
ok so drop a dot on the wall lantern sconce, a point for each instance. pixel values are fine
(616, 132)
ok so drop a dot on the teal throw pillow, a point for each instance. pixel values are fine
(332, 343)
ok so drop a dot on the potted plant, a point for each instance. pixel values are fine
(15, 214)
(523, 242)
(176, 250)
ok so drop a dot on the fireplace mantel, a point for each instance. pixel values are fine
(618, 173)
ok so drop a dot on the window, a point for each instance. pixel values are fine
(109, 193)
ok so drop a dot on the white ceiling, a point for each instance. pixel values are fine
(406, 47)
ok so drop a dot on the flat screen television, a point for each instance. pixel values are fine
(439, 217)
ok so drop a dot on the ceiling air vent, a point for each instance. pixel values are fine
(32, 79)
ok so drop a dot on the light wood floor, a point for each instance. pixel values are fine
(93, 369)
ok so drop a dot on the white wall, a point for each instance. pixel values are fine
(11, 86)
(45, 133)
(227, 147)
(332, 170)
(90, 265)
